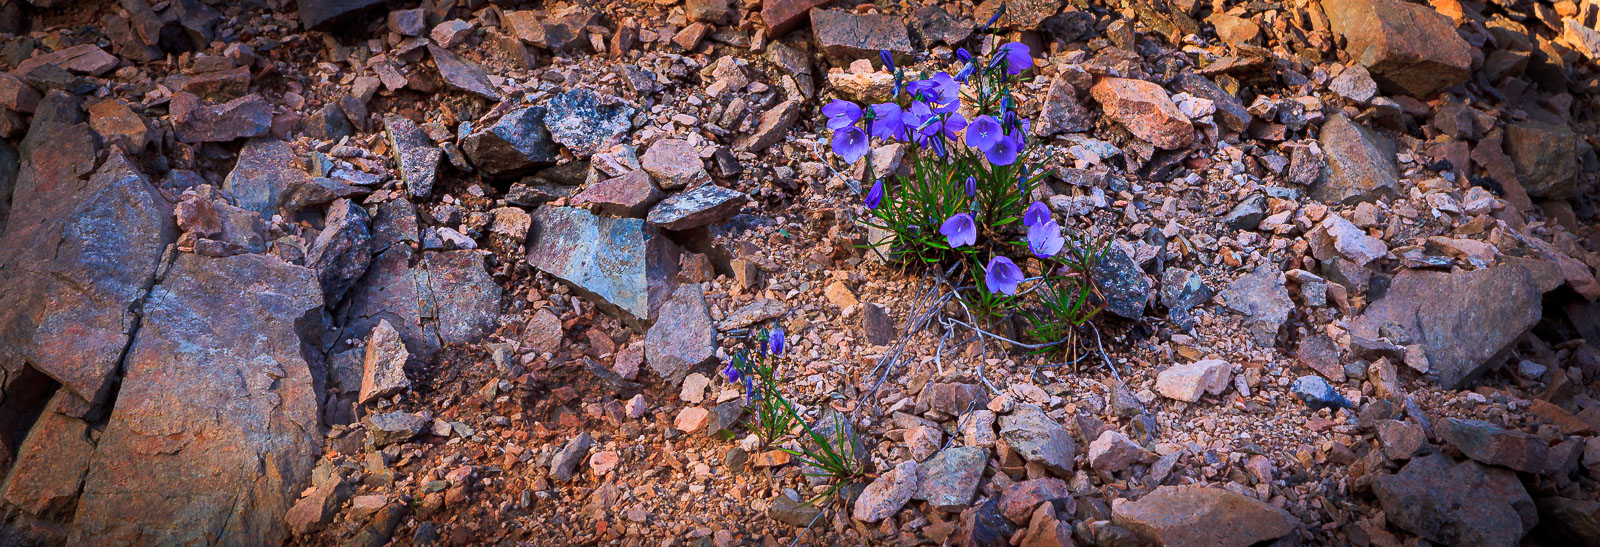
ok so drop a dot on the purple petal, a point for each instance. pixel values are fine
(841, 113)
(1044, 239)
(875, 195)
(1004, 151)
(887, 122)
(1002, 276)
(1018, 57)
(1036, 214)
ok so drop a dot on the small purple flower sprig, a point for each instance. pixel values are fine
(775, 419)
(970, 185)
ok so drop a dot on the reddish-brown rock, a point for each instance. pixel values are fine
(1408, 48)
(1146, 110)
(1185, 516)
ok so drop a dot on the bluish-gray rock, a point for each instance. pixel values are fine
(620, 262)
(1125, 287)
(1317, 393)
(330, 14)
(948, 479)
(702, 206)
(513, 145)
(587, 122)
(414, 153)
(264, 174)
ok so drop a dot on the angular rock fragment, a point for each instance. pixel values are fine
(462, 74)
(1359, 165)
(587, 122)
(1039, 438)
(886, 495)
(1062, 112)
(265, 172)
(1457, 504)
(68, 275)
(683, 336)
(330, 14)
(384, 368)
(675, 163)
(704, 205)
(629, 195)
(1187, 382)
(1263, 299)
(194, 122)
(948, 479)
(1494, 445)
(414, 154)
(512, 145)
(618, 262)
(1146, 110)
(394, 427)
(564, 466)
(1489, 309)
(781, 16)
(844, 36)
(1545, 156)
(1123, 284)
(342, 251)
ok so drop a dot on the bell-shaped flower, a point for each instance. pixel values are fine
(841, 114)
(983, 133)
(1037, 212)
(850, 144)
(1004, 151)
(959, 230)
(972, 186)
(1045, 240)
(874, 196)
(1017, 57)
(1002, 276)
(888, 121)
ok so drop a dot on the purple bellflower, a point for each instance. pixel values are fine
(841, 114)
(972, 186)
(776, 343)
(983, 133)
(1002, 276)
(1045, 240)
(1037, 213)
(732, 372)
(1017, 56)
(850, 144)
(959, 230)
(888, 60)
(1005, 150)
(888, 121)
(954, 122)
(875, 195)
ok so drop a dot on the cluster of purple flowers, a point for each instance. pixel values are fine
(1002, 275)
(933, 116)
(775, 346)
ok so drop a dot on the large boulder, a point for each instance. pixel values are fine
(844, 36)
(1183, 516)
(1546, 158)
(78, 252)
(619, 262)
(215, 427)
(1408, 48)
(1489, 310)
(1457, 503)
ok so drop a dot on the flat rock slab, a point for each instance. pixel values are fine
(683, 336)
(701, 206)
(1198, 516)
(1489, 309)
(948, 479)
(630, 195)
(441, 298)
(620, 262)
(844, 36)
(215, 428)
(463, 74)
(194, 121)
(587, 122)
(76, 254)
(1261, 297)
